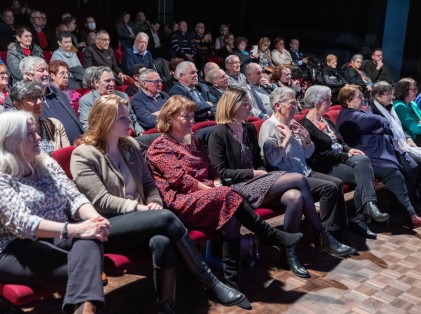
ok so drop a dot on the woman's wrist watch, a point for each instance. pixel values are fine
(64, 232)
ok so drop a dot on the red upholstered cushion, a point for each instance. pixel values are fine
(332, 115)
(202, 125)
(304, 111)
(20, 294)
(267, 213)
(62, 156)
(3, 56)
(47, 55)
(116, 264)
(198, 236)
(122, 88)
(335, 107)
(258, 124)
(299, 117)
(150, 131)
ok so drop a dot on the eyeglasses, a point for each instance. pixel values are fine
(32, 99)
(156, 82)
(414, 89)
(387, 94)
(4, 74)
(63, 73)
(291, 103)
(235, 62)
(105, 40)
(360, 96)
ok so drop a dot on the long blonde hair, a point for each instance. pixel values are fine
(228, 104)
(100, 121)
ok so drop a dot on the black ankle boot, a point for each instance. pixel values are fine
(290, 258)
(330, 245)
(195, 263)
(165, 282)
(231, 259)
(360, 227)
(271, 236)
(371, 210)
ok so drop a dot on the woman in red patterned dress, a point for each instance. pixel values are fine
(192, 189)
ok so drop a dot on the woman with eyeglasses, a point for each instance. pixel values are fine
(370, 133)
(406, 108)
(285, 146)
(334, 157)
(22, 48)
(59, 74)
(27, 96)
(355, 75)
(4, 82)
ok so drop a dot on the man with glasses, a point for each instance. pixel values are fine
(375, 69)
(149, 99)
(104, 83)
(233, 67)
(40, 33)
(138, 54)
(259, 89)
(101, 54)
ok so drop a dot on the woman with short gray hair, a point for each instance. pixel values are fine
(334, 157)
(354, 74)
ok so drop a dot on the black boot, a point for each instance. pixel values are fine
(195, 263)
(165, 281)
(360, 227)
(271, 236)
(371, 210)
(290, 257)
(231, 259)
(330, 245)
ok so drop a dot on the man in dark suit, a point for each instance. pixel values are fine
(188, 86)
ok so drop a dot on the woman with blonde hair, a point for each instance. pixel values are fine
(39, 202)
(263, 50)
(193, 190)
(108, 167)
(235, 153)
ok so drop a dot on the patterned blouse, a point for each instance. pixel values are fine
(24, 203)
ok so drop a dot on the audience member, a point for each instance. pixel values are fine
(260, 89)
(406, 109)
(228, 47)
(109, 169)
(71, 24)
(22, 47)
(381, 99)
(174, 62)
(142, 24)
(51, 235)
(219, 81)
(7, 28)
(89, 26)
(280, 55)
(21, 13)
(334, 157)
(188, 86)
(285, 146)
(233, 67)
(369, 132)
(263, 51)
(297, 56)
(126, 30)
(332, 77)
(354, 74)
(65, 54)
(59, 74)
(375, 68)
(220, 40)
(137, 54)
(135, 71)
(192, 189)
(101, 54)
(4, 83)
(245, 56)
(41, 36)
(103, 81)
(27, 96)
(182, 44)
(147, 102)
(204, 44)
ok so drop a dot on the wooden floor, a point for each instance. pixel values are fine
(384, 278)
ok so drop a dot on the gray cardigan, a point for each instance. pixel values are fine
(97, 177)
(71, 59)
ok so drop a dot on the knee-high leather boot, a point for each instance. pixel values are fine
(231, 259)
(195, 263)
(165, 282)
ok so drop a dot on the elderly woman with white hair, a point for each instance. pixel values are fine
(285, 146)
(355, 75)
(334, 157)
(39, 202)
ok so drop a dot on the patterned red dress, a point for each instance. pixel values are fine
(177, 169)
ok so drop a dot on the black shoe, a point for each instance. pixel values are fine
(330, 245)
(371, 210)
(289, 259)
(361, 228)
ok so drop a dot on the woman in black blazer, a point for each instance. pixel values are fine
(235, 153)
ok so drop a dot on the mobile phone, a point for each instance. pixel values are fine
(254, 49)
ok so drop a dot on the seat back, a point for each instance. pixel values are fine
(332, 115)
(47, 56)
(63, 156)
(3, 56)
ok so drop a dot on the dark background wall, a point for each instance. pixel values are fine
(335, 26)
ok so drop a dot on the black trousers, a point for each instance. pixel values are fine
(75, 266)
(357, 171)
(134, 231)
(328, 190)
